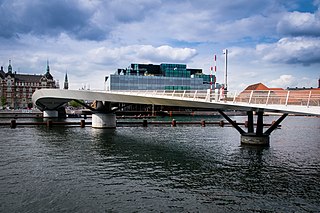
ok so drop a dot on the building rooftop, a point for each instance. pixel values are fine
(28, 78)
(260, 86)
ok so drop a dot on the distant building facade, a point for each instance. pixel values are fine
(16, 89)
(158, 77)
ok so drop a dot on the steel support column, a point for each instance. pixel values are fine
(250, 122)
(235, 125)
(259, 130)
(276, 124)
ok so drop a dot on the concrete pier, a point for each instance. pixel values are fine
(253, 139)
(50, 114)
(104, 120)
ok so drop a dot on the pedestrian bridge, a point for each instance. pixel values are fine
(295, 102)
(258, 102)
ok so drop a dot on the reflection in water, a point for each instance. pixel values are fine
(157, 169)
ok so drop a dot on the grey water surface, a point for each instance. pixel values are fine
(159, 169)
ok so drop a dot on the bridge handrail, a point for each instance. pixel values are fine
(306, 98)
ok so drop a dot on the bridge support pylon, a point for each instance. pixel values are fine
(258, 138)
(253, 139)
(103, 117)
(104, 120)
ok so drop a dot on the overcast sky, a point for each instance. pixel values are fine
(276, 42)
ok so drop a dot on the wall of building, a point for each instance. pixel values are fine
(16, 89)
(158, 77)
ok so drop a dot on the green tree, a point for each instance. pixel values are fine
(3, 101)
(75, 104)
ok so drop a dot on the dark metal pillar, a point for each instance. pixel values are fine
(259, 130)
(250, 122)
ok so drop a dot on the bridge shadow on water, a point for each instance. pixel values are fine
(167, 159)
(207, 163)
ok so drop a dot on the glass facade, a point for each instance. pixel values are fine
(175, 70)
(131, 82)
(206, 78)
(158, 77)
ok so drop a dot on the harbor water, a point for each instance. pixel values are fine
(160, 169)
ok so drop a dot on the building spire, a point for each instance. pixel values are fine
(66, 83)
(48, 75)
(48, 68)
(10, 67)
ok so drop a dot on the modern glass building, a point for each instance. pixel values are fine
(158, 77)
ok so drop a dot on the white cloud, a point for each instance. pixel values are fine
(147, 53)
(291, 81)
(300, 24)
(166, 53)
(298, 50)
(283, 81)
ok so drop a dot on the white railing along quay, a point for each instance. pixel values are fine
(305, 98)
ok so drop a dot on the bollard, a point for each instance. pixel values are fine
(82, 123)
(174, 123)
(203, 123)
(221, 123)
(13, 124)
(49, 123)
(145, 123)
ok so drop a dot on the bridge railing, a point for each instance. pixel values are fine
(266, 97)
(199, 95)
(280, 97)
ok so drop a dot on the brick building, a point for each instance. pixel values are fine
(16, 89)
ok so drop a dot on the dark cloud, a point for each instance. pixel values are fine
(47, 18)
(92, 20)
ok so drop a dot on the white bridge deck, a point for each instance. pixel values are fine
(295, 102)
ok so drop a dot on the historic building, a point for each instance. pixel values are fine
(16, 89)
